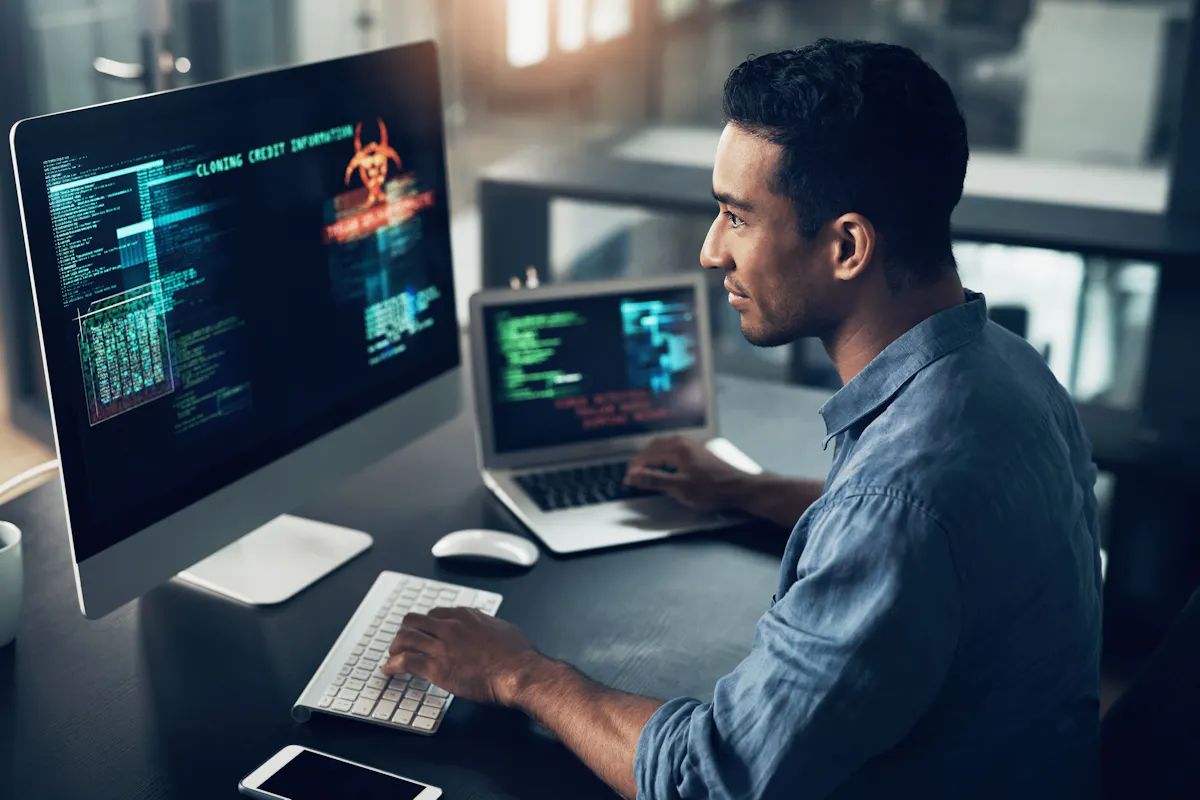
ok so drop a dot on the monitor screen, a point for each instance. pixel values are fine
(576, 370)
(228, 272)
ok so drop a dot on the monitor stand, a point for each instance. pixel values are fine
(275, 562)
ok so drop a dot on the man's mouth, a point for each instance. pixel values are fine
(734, 290)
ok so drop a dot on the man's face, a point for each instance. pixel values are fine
(780, 284)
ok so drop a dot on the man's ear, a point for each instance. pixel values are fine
(856, 241)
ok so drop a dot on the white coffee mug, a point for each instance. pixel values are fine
(12, 581)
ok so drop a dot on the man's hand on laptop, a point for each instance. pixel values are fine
(688, 472)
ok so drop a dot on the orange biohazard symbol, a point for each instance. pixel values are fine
(372, 163)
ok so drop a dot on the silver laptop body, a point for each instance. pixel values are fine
(533, 367)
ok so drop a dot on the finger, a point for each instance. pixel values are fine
(654, 480)
(451, 613)
(409, 662)
(421, 622)
(655, 451)
(411, 639)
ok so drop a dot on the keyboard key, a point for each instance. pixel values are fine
(581, 486)
(415, 694)
(437, 691)
(376, 651)
(342, 706)
(360, 674)
(345, 670)
(331, 690)
(338, 680)
(415, 584)
(357, 651)
(392, 695)
(364, 641)
(370, 694)
(367, 663)
(347, 694)
(325, 702)
(435, 702)
(409, 705)
(354, 684)
(363, 708)
(371, 631)
(384, 711)
(403, 717)
(424, 723)
(389, 628)
(420, 683)
(377, 682)
(427, 711)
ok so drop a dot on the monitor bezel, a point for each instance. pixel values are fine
(156, 552)
(596, 448)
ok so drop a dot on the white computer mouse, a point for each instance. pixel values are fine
(490, 545)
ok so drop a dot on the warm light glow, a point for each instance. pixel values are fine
(528, 23)
(610, 19)
(572, 24)
(184, 65)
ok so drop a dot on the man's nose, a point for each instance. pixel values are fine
(713, 254)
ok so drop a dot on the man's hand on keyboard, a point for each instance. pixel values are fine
(688, 472)
(463, 651)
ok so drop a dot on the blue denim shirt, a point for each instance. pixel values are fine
(937, 628)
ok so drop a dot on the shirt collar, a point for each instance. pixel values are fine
(901, 360)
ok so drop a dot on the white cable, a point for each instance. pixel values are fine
(27, 476)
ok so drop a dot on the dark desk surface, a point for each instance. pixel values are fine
(180, 694)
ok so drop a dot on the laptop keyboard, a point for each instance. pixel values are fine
(561, 489)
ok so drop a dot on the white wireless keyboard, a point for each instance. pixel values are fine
(349, 682)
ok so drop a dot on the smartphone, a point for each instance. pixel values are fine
(298, 773)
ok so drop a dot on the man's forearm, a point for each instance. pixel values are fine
(776, 498)
(599, 724)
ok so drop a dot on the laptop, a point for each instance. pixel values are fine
(571, 380)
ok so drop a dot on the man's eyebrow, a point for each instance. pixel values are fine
(731, 201)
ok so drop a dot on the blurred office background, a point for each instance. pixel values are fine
(1079, 114)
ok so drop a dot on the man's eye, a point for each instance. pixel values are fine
(734, 220)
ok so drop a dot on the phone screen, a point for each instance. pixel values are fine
(312, 776)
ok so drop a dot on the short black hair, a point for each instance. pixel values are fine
(867, 128)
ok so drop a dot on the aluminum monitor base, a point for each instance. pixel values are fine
(275, 562)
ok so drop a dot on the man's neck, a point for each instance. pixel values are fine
(883, 319)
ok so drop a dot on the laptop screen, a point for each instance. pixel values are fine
(582, 369)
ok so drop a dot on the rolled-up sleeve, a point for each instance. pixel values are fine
(842, 666)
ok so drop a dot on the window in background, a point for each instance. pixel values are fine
(1089, 317)
(572, 24)
(528, 25)
(1038, 290)
(611, 19)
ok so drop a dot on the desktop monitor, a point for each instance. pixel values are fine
(244, 295)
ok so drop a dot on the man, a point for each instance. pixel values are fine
(936, 628)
